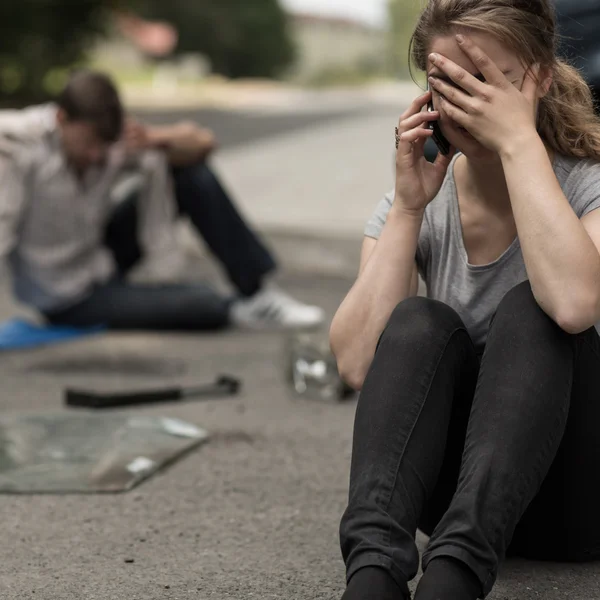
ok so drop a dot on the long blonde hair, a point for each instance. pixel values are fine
(566, 118)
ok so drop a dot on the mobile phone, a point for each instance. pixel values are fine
(441, 142)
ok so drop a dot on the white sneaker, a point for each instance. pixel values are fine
(273, 308)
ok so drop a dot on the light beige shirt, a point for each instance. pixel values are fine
(52, 222)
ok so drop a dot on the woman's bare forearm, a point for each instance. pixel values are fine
(386, 279)
(562, 261)
(388, 275)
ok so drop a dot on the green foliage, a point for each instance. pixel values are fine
(39, 39)
(361, 73)
(242, 38)
(39, 36)
(403, 18)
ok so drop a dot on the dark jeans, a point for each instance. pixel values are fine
(491, 456)
(121, 305)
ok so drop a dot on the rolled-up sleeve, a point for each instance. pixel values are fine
(12, 203)
(157, 233)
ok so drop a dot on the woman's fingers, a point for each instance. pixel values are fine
(407, 143)
(452, 94)
(415, 107)
(413, 124)
(419, 147)
(418, 120)
(415, 134)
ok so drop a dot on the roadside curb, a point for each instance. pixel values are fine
(297, 252)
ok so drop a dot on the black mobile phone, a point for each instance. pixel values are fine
(441, 142)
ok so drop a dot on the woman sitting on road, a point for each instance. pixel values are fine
(478, 416)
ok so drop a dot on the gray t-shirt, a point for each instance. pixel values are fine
(475, 291)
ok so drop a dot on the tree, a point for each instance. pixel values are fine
(37, 36)
(242, 38)
(403, 18)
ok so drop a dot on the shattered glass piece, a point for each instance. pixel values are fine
(181, 428)
(140, 464)
(80, 453)
(312, 368)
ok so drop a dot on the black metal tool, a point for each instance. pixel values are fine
(224, 385)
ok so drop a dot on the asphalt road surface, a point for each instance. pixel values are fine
(235, 128)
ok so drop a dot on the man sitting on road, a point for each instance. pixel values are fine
(70, 248)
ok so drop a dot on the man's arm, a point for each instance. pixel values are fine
(157, 212)
(12, 203)
(184, 143)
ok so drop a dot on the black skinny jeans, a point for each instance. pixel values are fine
(489, 457)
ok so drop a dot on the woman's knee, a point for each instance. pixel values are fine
(519, 309)
(519, 299)
(418, 319)
(519, 318)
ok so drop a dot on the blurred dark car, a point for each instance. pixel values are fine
(579, 28)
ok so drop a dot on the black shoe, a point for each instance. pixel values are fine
(373, 583)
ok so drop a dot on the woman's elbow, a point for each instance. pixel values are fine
(577, 318)
(351, 362)
(349, 368)
(574, 324)
(352, 376)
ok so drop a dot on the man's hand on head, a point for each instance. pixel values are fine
(208, 140)
(136, 136)
(185, 143)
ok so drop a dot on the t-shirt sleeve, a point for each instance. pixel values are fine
(584, 188)
(377, 221)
